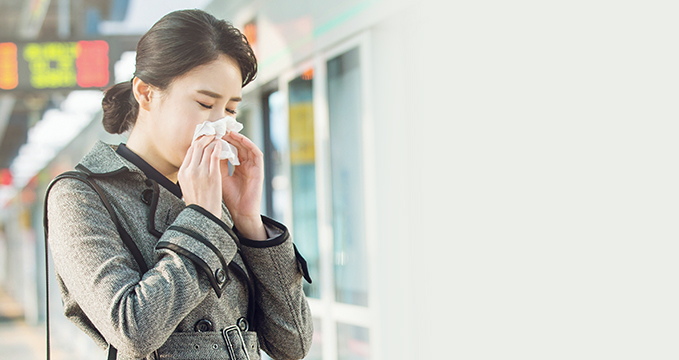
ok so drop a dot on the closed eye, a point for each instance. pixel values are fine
(232, 112)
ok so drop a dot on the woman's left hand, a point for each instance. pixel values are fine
(242, 191)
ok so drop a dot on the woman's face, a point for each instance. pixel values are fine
(206, 93)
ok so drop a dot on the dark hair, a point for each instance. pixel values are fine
(177, 43)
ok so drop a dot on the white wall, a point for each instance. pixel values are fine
(526, 162)
(546, 181)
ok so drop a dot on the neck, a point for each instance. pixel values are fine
(141, 146)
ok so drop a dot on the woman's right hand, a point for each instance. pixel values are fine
(200, 176)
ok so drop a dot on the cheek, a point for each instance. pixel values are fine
(181, 144)
(175, 136)
(181, 121)
(184, 137)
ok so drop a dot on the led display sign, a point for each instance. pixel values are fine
(9, 72)
(30, 66)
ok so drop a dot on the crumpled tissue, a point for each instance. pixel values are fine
(220, 128)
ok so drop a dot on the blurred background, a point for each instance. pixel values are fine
(468, 180)
(309, 110)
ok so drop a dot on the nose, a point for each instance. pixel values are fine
(218, 114)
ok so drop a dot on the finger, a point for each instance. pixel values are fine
(247, 143)
(214, 158)
(203, 141)
(234, 139)
(187, 158)
(236, 144)
(245, 146)
(207, 152)
(200, 145)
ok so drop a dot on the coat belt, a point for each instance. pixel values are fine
(228, 344)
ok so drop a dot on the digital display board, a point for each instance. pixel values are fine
(31, 66)
(9, 69)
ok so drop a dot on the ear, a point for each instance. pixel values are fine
(143, 92)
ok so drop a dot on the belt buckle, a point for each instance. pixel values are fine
(231, 346)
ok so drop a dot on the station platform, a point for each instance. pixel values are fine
(18, 340)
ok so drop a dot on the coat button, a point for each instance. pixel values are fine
(203, 325)
(220, 276)
(243, 324)
(146, 196)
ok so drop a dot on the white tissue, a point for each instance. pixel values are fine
(220, 128)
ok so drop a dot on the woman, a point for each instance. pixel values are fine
(222, 281)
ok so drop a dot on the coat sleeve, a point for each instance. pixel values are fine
(134, 313)
(283, 318)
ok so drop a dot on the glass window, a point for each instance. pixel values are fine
(316, 351)
(277, 146)
(245, 118)
(303, 176)
(345, 117)
(353, 342)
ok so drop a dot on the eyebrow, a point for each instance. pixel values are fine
(217, 96)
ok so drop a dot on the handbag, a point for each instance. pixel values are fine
(82, 174)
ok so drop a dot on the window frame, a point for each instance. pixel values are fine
(327, 309)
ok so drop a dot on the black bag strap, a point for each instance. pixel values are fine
(124, 235)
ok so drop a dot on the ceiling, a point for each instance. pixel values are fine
(82, 18)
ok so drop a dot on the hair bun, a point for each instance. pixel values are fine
(120, 108)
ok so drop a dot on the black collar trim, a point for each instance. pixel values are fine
(148, 170)
(91, 173)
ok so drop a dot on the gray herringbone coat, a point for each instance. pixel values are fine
(156, 314)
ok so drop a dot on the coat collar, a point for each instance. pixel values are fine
(103, 160)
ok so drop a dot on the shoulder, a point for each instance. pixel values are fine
(69, 193)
